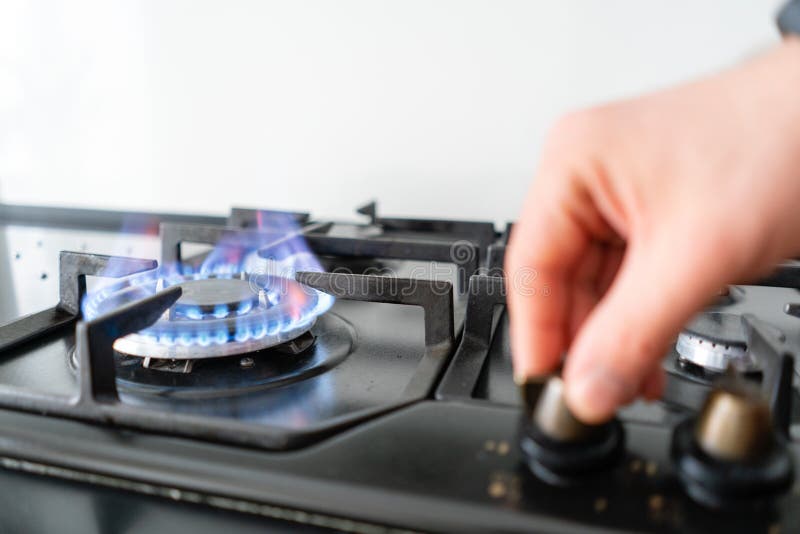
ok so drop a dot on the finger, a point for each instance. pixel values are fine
(630, 329)
(591, 281)
(584, 286)
(653, 384)
(610, 267)
(545, 246)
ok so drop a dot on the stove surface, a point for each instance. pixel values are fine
(178, 399)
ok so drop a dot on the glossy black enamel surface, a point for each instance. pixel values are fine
(447, 461)
(436, 466)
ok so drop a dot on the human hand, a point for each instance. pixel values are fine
(640, 213)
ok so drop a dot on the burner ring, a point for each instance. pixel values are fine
(710, 355)
(220, 316)
(145, 347)
(714, 340)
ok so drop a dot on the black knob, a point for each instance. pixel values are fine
(731, 453)
(556, 445)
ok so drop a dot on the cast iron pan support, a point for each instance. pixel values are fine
(98, 400)
(435, 298)
(173, 235)
(485, 294)
(73, 268)
(95, 340)
(778, 367)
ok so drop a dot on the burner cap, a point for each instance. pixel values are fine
(217, 296)
(713, 340)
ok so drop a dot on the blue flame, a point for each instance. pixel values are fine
(284, 306)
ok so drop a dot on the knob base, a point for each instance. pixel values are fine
(559, 461)
(719, 483)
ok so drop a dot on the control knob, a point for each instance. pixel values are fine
(731, 453)
(557, 445)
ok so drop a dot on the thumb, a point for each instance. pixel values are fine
(622, 342)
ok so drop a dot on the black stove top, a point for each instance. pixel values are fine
(272, 370)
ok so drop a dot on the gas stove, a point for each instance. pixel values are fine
(273, 370)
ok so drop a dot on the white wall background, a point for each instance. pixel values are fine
(435, 108)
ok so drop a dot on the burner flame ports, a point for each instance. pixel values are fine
(218, 317)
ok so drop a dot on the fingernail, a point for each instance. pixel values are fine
(595, 396)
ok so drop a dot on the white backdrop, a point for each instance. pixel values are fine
(434, 108)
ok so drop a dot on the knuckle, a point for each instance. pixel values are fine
(580, 126)
(640, 350)
(726, 251)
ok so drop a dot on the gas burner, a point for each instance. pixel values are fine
(154, 381)
(216, 315)
(714, 340)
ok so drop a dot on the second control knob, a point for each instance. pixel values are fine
(731, 453)
(734, 425)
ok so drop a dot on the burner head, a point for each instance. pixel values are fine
(218, 297)
(714, 340)
(216, 315)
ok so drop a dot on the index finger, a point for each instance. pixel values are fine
(545, 247)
